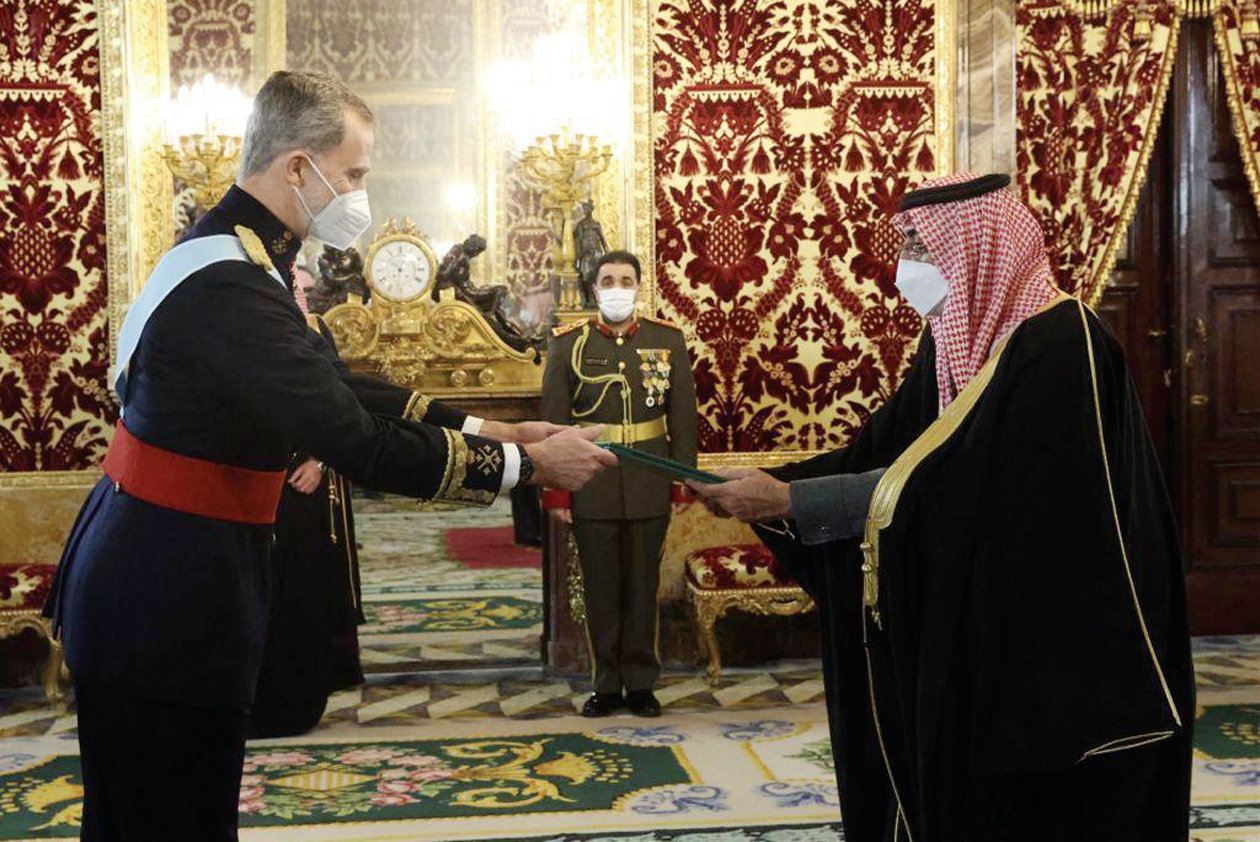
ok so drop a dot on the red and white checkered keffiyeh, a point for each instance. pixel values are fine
(992, 252)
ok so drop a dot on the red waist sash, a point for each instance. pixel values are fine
(191, 485)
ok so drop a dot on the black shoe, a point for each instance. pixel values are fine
(643, 703)
(602, 704)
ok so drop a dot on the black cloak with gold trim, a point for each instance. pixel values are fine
(1020, 668)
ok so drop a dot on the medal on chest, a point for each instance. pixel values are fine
(654, 366)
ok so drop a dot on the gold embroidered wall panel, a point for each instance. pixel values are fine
(55, 409)
(784, 132)
(1090, 93)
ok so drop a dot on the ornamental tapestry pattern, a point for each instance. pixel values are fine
(1090, 94)
(211, 36)
(55, 407)
(785, 131)
(1237, 26)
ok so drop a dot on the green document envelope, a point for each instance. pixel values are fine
(677, 470)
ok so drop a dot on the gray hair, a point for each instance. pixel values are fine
(297, 111)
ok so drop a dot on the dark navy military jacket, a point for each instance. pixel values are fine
(161, 604)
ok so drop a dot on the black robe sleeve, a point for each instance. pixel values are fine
(301, 394)
(380, 397)
(886, 434)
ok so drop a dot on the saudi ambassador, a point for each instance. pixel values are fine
(161, 596)
(995, 562)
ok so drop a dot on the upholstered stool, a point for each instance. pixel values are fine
(743, 576)
(23, 590)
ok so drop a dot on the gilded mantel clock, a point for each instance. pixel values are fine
(400, 267)
(441, 347)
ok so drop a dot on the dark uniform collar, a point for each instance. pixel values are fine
(603, 328)
(240, 208)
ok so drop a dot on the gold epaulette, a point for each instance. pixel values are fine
(312, 321)
(662, 322)
(561, 330)
(254, 248)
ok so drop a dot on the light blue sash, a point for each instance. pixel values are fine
(181, 262)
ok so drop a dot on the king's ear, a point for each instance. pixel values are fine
(293, 164)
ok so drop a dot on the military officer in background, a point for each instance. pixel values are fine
(162, 593)
(634, 376)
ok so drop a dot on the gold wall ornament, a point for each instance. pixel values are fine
(442, 348)
(206, 163)
(565, 169)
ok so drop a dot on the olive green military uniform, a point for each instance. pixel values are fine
(640, 385)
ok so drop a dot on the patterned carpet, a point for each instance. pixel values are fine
(747, 761)
(445, 587)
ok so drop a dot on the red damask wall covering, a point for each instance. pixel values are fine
(55, 408)
(784, 134)
(211, 36)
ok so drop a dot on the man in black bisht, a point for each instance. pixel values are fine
(1006, 654)
(161, 596)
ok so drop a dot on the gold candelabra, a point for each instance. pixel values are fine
(205, 162)
(563, 169)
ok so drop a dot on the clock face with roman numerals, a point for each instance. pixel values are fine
(400, 267)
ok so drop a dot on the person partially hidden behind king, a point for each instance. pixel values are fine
(162, 593)
(632, 375)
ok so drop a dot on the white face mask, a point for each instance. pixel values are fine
(922, 285)
(343, 220)
(616, 304)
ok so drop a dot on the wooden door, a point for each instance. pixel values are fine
(1137, 301)
(1216, 275)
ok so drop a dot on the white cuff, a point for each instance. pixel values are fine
(511, 467)
(472, 426)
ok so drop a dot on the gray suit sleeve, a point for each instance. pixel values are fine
(832, 507)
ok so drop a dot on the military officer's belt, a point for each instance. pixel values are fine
(187, 484)
(632, 433)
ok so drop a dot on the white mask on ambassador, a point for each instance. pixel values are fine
(922, 285)
(616, 304)
(343, 220)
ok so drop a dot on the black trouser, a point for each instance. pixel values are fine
(158, 770)
(621, 568)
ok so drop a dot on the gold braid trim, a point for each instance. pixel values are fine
(1129, 742)
(254, 247)
(452, 487)
(417, 407)
(575, 361)
(1234, 96)
(449, 472)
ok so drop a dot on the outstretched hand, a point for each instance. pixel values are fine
(749, 495)
(569, 459)
(523, 432)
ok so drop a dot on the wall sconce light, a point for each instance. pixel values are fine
(204, 127)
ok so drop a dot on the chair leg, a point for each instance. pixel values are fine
(52, 673)
(707, 613)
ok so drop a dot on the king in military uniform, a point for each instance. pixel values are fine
(632, 375)
(162, 593)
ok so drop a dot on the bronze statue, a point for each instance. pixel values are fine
(455, 273)
(589, 245)
(340, 274)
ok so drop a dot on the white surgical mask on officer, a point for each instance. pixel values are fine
(616, 304)
(919, 280)
(616, 286)
(343, 220)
